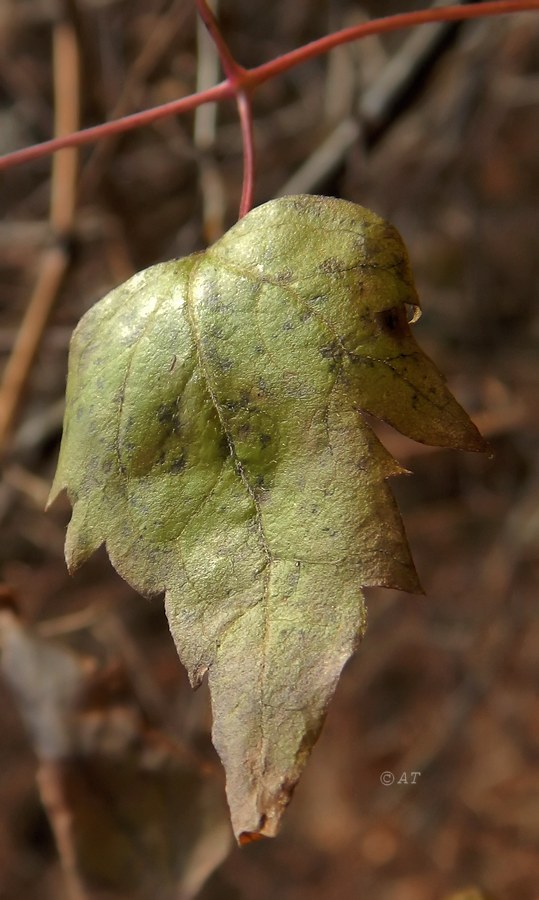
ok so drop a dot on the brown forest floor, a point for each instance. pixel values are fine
(444, 684)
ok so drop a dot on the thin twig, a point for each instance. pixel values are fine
(55, 259)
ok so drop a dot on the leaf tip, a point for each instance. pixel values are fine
(466, 436)
(54, 493)
(80, 543)
(259, 814)
(268, 826)
(478, 444)
(196, 675)
(249, 837)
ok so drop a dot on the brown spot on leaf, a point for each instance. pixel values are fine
(223, 447)
(331, 265)
(285, 276)
(179, 464)
(244, 431)
(168, 415)
(393, 321)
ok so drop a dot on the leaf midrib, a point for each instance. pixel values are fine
(239, 469)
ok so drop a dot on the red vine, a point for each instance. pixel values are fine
(240, 82)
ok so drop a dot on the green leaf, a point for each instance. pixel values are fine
(215, 439)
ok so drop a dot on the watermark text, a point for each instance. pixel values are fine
(388, 778)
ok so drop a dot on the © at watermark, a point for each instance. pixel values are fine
(387, 778)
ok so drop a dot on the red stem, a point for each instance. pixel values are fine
(235, 77)
(246, 119)
(277, 66)
(250, 78)
(221, 91)
(230, 66)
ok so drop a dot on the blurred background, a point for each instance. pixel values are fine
(437, 130)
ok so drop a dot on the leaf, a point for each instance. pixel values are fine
(215, 439)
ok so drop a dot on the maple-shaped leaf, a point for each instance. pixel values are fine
(215, 439)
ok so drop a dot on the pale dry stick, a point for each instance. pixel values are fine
(207, 75)
(32, 486)
(402, 68)
(67, 115)
(350, 69)
(54, 260)
(373, 108)
(211, 182)
(340, 86)
(82, 620)
(51, 784)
